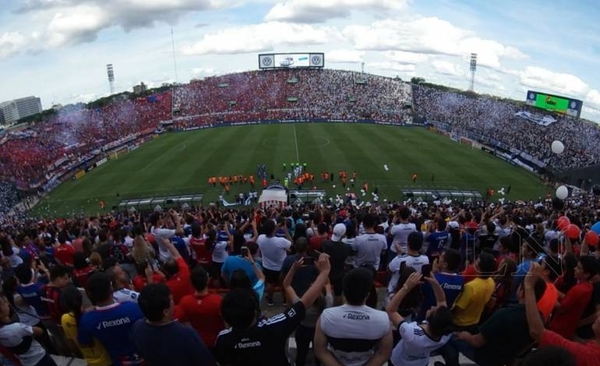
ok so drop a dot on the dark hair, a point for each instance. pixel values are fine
(79, 261)
(98, 288)
(62, 237)
(170, 268)
(487, 265)
(72, 300)
(539, 289)
(414, 298)
(269, 228)
(415, 240)
(549, 356)
(154, 299)
(440, 321)
(239, 279)
(369, 221)
(301, 245)
(569, 262)
(23, 273)
(453, 259)
(553, 267)
(196, 229)
(589, 265)
(404, 213)
(199, 278)
(441, 224)
(238, 308)
(58, 271)
(357, 285)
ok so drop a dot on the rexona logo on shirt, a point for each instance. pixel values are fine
(247, 343)
(113, 323)
(448, 286)
(356, 316)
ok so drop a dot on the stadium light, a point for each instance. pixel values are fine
(111, 77)
(473, 69)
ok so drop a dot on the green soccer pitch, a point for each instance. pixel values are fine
(179, 163)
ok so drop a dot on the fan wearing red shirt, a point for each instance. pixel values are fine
(201, 246)
(145, 275)
(320, 236)
(202, 309)
(585, 354)
(177, 274)
(63, 252)
(571, 307)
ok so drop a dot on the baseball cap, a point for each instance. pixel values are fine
(338, 231)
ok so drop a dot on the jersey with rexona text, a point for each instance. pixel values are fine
(353, 332)
(111, 325)
(262, 345)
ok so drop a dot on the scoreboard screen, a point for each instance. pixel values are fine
(555, 103)
(291, 60)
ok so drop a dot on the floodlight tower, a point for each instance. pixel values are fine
(473, 69)
(111, 78)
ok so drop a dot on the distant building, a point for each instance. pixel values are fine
(138, 89)
(13, 110)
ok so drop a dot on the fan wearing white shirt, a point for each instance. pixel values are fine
(419, 340)
(160, 233)
(412, 259)
(273, 251)
(400, 231)
(370, 245)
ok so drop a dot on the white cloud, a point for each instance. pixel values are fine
(592, 100)
(446, 68)
(344, 56)
(75, 25)
(260, 38)
(430, 36)
(407, 58)
(319, 11)
(392, 66)
(550, 81)
(11, 43)
(201, 71)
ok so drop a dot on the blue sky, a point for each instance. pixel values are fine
(58, 49)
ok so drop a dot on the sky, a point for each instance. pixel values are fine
(58, 49)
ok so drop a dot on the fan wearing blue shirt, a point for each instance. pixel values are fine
(445, 270)
(109, 322)
(235, 262)
(438, 240)
(161, 340)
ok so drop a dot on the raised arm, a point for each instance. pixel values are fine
(438, 291)
(392, 309)
(259, 275)
(536, 324)
(167, 243)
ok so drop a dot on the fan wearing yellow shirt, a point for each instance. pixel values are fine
(95, 355)
(469, 305)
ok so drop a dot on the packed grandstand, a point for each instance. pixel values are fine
(479, 253)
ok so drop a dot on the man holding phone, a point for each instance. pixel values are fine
(305, 275)
(235, 262)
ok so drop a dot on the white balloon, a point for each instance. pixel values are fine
(557, 147)
(562, 192)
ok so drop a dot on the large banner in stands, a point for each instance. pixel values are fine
(268, 122)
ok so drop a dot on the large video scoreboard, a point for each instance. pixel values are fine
(555, 103)
(291, 60)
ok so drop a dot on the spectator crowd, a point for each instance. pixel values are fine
(393, 284)
(494, 121)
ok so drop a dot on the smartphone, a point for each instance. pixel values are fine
(245, 251)
(309, 261)
(426, 270)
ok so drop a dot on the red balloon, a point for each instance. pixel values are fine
(563, 223)
(573, 231)
(591, 238)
